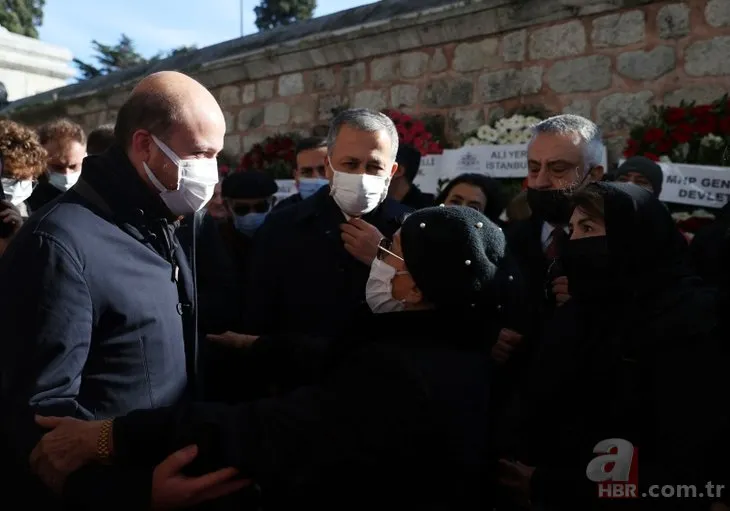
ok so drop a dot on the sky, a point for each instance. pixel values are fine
(154, 25)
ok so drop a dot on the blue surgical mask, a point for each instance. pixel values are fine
(249, 223)
(308, 186)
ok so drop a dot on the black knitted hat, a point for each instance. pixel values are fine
(249, 184)
(647, 168)
(452, 253)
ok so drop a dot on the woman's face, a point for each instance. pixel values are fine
(584, 226)
(403, 286)
(468, 195)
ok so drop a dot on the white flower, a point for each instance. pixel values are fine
(665, 159)
(503, 139)
(487, 134)
(701, 213)
(502, 125)
(472, 141)
(531, 121)
(712, 141)
(681, 216)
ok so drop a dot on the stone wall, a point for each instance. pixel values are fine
(609, 61)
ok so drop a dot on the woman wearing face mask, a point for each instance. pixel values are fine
(22, 161)
(640, 363)
(401, 417)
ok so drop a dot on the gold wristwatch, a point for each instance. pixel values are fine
(104, 441)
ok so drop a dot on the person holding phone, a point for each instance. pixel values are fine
(22, 161)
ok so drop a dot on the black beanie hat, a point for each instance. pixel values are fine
(248, 184)
(647, 168)
(452, 253)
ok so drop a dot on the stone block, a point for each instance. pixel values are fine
(465, 121)
(354, 75)
(717, 13)
(509, 83)
(474, 56)
(118, 99)
(291, 85)
(384, 70)
(438, 61)
(249, 93)
(580, 107)
(403, 95)
(250, 118)
(647, 65)
(673, 21)
(74, 109)
(414, 64)
(230, 95)
(251, 140)
(327, 104)
(448, 92)
(323, 80)
(232, 145)
(514, 46)
(372, 99)
(621, 110)
(708, 58)
(619, 29)
(265, 89)
(276, 114)
(557, 41)
(302, 112)
(701, 94)
(584, 74)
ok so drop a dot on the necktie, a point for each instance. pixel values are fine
(557, 238)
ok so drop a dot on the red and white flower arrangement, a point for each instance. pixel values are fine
(414, 132)
(276, 155)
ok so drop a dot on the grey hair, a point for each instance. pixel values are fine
(364, 120)
(586, 130)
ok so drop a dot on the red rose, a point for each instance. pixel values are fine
(701, 110)
(664, 146)
(653, 135)
(632, 147)
(682, 134)
(705, 125)
(724, 126)
(419, 127)
(435, 148)
(651, 156)
(674, 115)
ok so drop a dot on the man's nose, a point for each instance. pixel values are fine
(543, 181)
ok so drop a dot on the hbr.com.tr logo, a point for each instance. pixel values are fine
(616, 469)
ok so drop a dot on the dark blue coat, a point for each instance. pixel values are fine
(302, 279)
(97, 309)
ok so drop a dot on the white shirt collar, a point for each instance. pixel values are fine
(547, 234)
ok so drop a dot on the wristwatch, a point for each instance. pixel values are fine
(104, 441)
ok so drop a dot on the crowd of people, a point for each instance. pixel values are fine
(173, 339)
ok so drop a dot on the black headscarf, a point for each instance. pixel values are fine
(643, 251)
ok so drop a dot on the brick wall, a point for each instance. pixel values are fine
(610, 66)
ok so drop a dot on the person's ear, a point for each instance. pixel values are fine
(597, 173)
(394, 170)
(329, 174)
(141, 145)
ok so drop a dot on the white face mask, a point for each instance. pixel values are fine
(379, 288)
(16, 192)
(358, 194)
(63, 182)
(196, 181)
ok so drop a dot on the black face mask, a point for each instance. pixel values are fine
(552, 206)
(592, 276)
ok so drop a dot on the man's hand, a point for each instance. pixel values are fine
(361, 240)
(233, 340)
(173, 490)
(515, 477)
(560, 290)
(11, 215)
(69, 445)
(506, 343)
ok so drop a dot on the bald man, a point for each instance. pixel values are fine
(98, 305)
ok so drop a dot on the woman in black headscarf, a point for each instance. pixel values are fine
(640, 361)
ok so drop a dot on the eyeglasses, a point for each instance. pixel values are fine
(257, 207)
(384, 247)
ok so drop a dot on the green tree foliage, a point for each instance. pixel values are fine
(123, 55)
(22, 16)
(274, 13)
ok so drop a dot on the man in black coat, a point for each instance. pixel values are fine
(98, 303)
(566, 150)
(402, 188)
(311, 261)
(309, 175)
